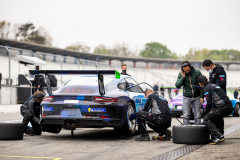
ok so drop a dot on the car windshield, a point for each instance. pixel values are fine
(86, 85)
(88, 80)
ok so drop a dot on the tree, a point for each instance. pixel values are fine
(157, 50)
(15, 30)
(48, 38)
(24, 29)
(4, 29)
(35, 37)
(121, 49)
(102, 49)
(197, 54)
(79, 47)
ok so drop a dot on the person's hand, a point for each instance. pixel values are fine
(182, 73)
(201, 101)
(38, 86)
(39, 122)
(132, 117)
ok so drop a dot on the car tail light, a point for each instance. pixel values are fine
(44, 115)
(48, 98)
(105, 117)
(102, 99)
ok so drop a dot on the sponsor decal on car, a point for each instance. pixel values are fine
(96, 109)
(48, 108)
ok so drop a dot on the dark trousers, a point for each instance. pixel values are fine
(214, 120)
(154, 121)
(28, 117)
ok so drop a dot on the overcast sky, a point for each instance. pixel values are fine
(179, 24)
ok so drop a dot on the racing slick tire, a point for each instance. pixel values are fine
(236, 110)
(129, 127)
(190, 134)
(51, 129)
(11, 131)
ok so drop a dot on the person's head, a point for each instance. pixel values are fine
(148, 92)
(202, 80)
(38, 96)
(124, 68)
(37, 67)
(186, 66)
(208, 65)
(236, 90)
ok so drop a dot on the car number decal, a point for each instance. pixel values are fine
(96, 109)
(71, 101)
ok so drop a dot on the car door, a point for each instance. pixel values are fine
(135, 93)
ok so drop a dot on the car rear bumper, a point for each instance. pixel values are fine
(82, 122)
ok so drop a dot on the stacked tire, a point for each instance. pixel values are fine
(11, 131)
(190, 134)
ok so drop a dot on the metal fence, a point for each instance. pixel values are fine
(11, 68)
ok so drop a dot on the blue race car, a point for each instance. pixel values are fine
(176, 103)
(93, 99)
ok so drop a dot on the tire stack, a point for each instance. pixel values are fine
(11, 131)
(190, 134)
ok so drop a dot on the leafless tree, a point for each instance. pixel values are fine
(4, 29)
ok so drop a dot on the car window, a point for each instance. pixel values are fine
(132, 82)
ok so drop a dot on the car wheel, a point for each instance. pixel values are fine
(128, 127)
(11, 131)
(236, 110)
(190, 134)
(51, 129)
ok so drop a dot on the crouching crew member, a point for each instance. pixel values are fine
(30, 111)
(218, 106)
(159, 120)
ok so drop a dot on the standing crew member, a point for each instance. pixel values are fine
(39, 81)
(30, 111)
(218, 106)
(188, 78)
(156, 87)
(217, 75)
(236, 94)
(124, 69)
(159, 120)
(162, 90)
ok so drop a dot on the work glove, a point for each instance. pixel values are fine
(132, 117)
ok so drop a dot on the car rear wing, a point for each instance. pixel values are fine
(99, 73)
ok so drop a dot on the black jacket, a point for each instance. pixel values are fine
(39, 80)
(215, 96)
(160, 106)
(53, 81)
(33, 107)
(219, 77)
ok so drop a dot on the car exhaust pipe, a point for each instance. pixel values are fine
(74, 122)
(68, 122)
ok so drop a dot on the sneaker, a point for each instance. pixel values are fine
(168, 134)
(222, 138)
(215, 141)
(143, 138)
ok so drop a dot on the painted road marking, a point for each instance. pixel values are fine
(53, 158)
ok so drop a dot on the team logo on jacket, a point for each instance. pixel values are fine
(213, 75)
(221, 77)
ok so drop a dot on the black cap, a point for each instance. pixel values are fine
(202, 79)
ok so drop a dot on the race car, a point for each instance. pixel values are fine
(175, 104)
(92, 99)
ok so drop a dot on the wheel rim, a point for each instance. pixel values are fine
(132, 123)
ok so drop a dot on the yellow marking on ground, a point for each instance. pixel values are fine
(53, 158)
